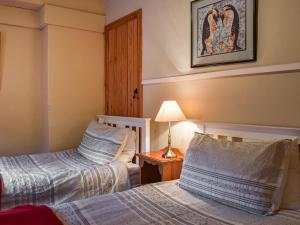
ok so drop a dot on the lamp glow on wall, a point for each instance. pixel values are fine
(169, 112)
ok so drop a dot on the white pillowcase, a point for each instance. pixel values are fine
(291, 196)
(247, 175)
(103, 144)
(129, 150)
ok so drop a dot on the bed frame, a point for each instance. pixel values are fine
(140, 125)
(244, 133)
(183, 132)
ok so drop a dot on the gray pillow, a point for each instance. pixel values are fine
(246, 175)
(102, 144)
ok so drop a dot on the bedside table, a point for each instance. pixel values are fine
(155, 168)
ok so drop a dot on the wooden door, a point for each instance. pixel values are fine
(123, 66)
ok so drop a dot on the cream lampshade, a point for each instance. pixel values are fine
(169, 112)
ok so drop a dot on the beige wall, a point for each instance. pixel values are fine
(75, 84)
(51, 80)
(75, 73)
(21, 111)
(261, 99)
(167, 28)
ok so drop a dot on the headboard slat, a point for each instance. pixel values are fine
(236, 139)
(140, 125)
(234, 132)
(222, 137)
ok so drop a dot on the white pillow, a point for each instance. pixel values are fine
(102, 144)
(291, 196)
(129, 149)
(246, 175)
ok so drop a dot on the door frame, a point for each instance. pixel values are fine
(138, 16)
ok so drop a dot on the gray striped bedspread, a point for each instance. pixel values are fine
(162, 203)
(54, 178)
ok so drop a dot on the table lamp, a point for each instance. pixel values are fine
(169, 112)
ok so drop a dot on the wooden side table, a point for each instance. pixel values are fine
(155, 168)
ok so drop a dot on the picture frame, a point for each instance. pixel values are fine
(223, 32)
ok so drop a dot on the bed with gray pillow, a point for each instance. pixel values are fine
(221, 183)
(98, 166)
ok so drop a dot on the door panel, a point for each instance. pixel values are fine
(123, 66)
(132, 68)
(119, 86)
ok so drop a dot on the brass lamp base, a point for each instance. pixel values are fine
(169, 154)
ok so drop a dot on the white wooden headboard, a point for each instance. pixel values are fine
(140, 125)
(249, 132)
(184, 131)
(244, 133)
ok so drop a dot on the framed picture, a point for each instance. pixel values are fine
(223, 31)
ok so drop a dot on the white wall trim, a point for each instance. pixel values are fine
(283, 68)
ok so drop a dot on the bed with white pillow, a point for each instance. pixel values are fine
(101, 164)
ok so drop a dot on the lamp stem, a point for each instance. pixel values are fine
(169, 153)
(169, 138)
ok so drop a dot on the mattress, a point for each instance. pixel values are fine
(162, 203)
(134, 174)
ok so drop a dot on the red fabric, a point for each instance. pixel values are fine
(29, 215)
(0, 191)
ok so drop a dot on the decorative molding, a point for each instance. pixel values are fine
(70, 18)
(51, 15)
(283, 68)
(35, 5)
(23, 18)
(76, 9)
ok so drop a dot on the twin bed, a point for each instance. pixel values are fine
(55, 178)
(197, 201)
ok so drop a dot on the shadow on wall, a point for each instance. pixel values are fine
(182, 133)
